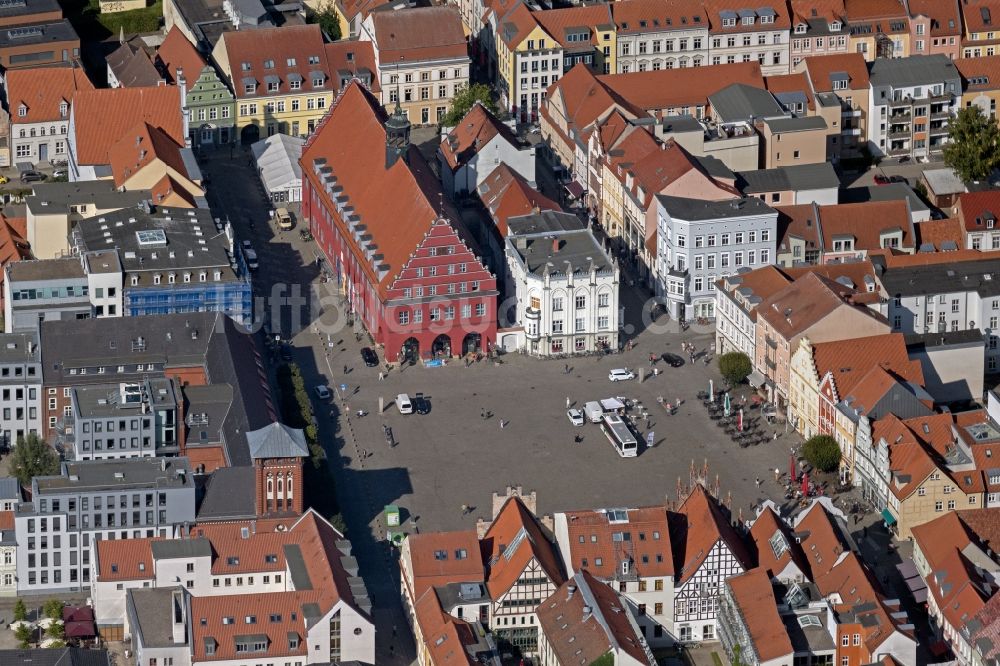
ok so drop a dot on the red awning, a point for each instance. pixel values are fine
(80, 630)
(575, 189)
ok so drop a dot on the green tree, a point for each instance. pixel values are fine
(53, 609)
(20, 611)
(24, 634)
(465, 98)
(328, 21)
(973, 148)
(735, 367)
(56, 630)
(822, 452)
(33, 457)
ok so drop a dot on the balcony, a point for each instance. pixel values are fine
(946, 97)
(900, 117)
(904, 101)
(899, 152)
(771, 365)
(939, 130)
(771, 342)
(847, 111)
(899, 134)
(940, 115)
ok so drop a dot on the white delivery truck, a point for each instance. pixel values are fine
(593, 411)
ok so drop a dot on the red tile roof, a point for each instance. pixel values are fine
(938, 232)
(420, 34)
(677, 88)
(125, 559)
(515, 26)
(577, 636)
(977, 20)
(512, 541)
(557, 21)
(641, 16)
(353, 57)
(799, 221)
(585, 99)
(506, 194)
(276, 46)
(226, 618)
(696, 528)
(849, 361)
(594, 538)
(803, 303)
(42, 90)
(861, 10)
(983, 66)
(442, 634)
(439, 558)
(754, 596)
(103, 116)
(959, 589)
(138, 147)
(352, 8)
(764, 528)
(790, 83)
(398, 204)
(820, 68)
(865, 221)
(716, 7)
(177, 52)
(977, 209)
(476, 129)
(804, 11)
(946, 20)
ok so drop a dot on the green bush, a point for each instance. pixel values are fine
(20, 611)
(822, 452)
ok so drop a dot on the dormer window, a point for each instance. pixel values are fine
(767, 19)
(317, 82)
(835, 26)
(63, 109)
(249, 88)
(748, 20)
(800, 29)
(156, 278)
(171, 278)
(728, 22)
(22, 110)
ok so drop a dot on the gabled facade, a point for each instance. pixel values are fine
(39, 101)
(470, 152)
(742, 34)
(652, 36)
(818, 28)
(208, 102)
(419, 288)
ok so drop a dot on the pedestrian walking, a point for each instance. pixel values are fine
(345, 368)
(482, 413)
(567, 402)
(465, 509)
(777, 474)
(503, 424)
(566, 369)
(759, 482)
(381, 376)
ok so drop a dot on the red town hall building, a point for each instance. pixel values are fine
(398, 249)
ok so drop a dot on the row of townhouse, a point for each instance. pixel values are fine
(669, 570)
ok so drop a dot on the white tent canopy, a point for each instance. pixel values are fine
(277, 159)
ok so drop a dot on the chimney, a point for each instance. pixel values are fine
(555, 245)
(570, 589)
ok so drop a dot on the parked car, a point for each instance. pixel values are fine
(881, 179)
(4, 180)
(284, 219)
(575, 416)
(322, 392)
(421, 404)
(369, 356)
(59, 173)
(32, 177)
(251, 257)
(621, 375)
(403, 404)
(898, 179)
(673, 360)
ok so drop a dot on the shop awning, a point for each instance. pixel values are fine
(756, 379)
(889, 519)
(907, 569)
(575, 189)
(920, 596)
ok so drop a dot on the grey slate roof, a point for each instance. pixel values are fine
(10, 489)
(177, 548)
(533, 236)
(798, 177)
(693, 210)
(913, 71)
(297, 567)
(64, 268)
(982, 277)
(889, 192)
(69, 656)
(683, 123)
(58, 197)
(740, 102)
(277, 441)
(970, 337)
(228, 495)
(40, 33)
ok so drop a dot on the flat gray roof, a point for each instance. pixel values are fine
(739, 102)
(548, 221)
(52, 198)
(944, 181)
(39, 270)
(95, 475)
(10, 488)
(37, 33)
(543, 250)
(105, 400)
(888, 192)
(982, 277)
(913, 71)
(19, 348)
(970, 337)
(798, 177)
(796, 124)
(693, 210)
(226, 495)
(153, 612)
(684, 123)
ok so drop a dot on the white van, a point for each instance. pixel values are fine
(403, 404)
(284, 219)
(593, 411)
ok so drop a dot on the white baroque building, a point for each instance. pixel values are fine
(565, 284)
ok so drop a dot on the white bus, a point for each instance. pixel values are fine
(619, 435)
